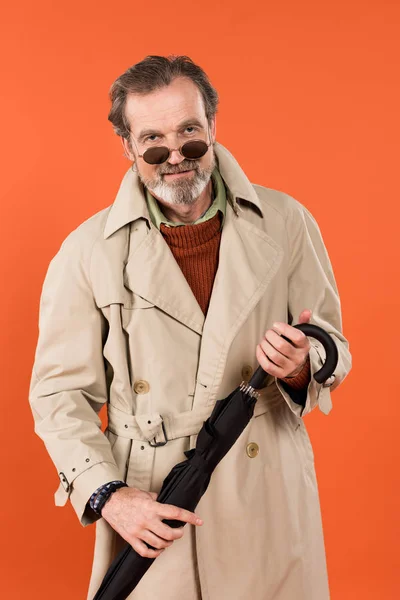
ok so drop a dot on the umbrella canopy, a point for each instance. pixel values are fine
(188, 480)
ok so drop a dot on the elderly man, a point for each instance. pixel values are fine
(161, 304)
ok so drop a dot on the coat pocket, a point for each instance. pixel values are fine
(307, 447)
(300, 437)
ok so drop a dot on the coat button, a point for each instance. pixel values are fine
(247, 372)
(252, 449)
(141, 386)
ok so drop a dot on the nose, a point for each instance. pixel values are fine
(175, 157)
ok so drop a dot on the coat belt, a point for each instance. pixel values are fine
(158, 429)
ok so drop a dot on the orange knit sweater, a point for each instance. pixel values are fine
(196, 250)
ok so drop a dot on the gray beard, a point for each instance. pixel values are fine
(180, 192)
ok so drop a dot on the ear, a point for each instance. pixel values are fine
(127, 150)
(213, 129)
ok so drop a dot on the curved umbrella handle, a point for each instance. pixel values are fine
(332, 355)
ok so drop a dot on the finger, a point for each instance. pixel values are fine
(143, 550)
(153, 495)
(274, 355)
(165, 531)
(154, 540)
(305, 316)
(170, 511)
(267, 365)
(280, 344)
(271, 368)
(297, 337)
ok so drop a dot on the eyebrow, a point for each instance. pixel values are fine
(183, 125)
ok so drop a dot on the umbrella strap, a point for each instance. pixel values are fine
(156, 428)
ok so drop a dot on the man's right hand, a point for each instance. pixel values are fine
(137, 517)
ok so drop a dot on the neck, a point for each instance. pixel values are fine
(187, 213)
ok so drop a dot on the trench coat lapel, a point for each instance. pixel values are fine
(249, 259)
(153, 273)
(151, 270)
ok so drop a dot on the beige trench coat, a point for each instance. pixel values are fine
(120, 326)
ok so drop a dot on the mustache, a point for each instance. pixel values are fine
(185, 165)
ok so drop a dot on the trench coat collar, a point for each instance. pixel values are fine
(130, 203)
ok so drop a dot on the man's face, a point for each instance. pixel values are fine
(170, 117)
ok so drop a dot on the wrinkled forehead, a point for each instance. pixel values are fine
(164, 109)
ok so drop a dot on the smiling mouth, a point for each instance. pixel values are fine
(178, 174)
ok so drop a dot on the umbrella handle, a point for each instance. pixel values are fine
(332, 355)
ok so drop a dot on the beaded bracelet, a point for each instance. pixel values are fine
(105, 494)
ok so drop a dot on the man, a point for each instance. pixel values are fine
(157, 307)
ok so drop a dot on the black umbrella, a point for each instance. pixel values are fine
(188, 480)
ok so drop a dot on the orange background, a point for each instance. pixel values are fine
(309, 105)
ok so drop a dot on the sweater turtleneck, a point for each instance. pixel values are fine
(196, 250)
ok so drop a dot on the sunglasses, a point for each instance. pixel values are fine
(191, 150)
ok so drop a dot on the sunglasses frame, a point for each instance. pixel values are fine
(174, 150)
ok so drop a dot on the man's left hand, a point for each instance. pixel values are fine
(279, 357)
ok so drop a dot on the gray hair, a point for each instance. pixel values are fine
(152, 73)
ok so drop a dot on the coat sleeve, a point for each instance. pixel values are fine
(311, 284)
(68, 383)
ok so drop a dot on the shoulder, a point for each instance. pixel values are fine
(277, 201)
(274, 202)
(85, 235)
(76, 248)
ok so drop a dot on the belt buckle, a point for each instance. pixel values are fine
(156, 444)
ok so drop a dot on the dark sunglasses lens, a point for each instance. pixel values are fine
(193, 150)
(157, 155)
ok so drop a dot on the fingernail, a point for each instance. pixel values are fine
(199, 521)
